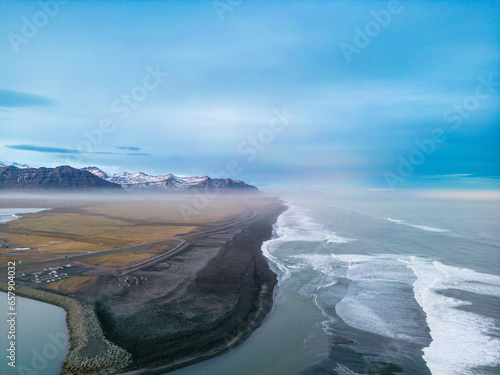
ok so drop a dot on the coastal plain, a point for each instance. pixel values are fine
(166, 289)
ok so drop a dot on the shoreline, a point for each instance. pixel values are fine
(82, 326)
(87, 324)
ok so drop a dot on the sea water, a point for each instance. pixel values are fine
(11, 214)
(378, 283)
(41, 336)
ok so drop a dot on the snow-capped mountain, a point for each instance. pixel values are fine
(141, 181)
(4, 164)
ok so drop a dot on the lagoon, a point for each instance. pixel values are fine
(42, 338)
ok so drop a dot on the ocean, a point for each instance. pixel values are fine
(11, 214)
(378, 283)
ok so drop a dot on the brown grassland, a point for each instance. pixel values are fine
(81, 226)
(75, 284)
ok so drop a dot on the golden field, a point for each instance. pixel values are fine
(75, 284)
(73, 226)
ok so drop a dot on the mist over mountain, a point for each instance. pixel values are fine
(17, 176)
(170, 183)
(13, 163)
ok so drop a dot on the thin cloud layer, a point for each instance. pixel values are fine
(18, 99)
(57, 150)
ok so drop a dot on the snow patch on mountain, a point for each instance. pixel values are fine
(141, 181)
(14, 164)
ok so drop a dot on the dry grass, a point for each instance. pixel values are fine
(89, 226)
(169, 211)
(71, 246)
(64, 224)
(158, 248)
(117, 260)
(127, 259)
(4, 260)
(27, 239)
(149, 233)
(41, 244)
(75, 284)
(67, 232)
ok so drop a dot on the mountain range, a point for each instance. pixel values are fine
(13, 163)
(17, 176)
(143, 182)
(59, 178)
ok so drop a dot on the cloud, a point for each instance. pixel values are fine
(466, 181)
(10, 98)
(129, 148)
(58, 150)
(55, 150)
(101, 153)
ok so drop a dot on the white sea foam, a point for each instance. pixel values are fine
(361, 316)
(4, 219)
(342, 370)
(377, 297)
(461, 340)
(423, 227)
(285, 272)
(9, 214)
(295, 225)
(376, 302)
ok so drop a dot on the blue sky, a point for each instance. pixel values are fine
(277, 93)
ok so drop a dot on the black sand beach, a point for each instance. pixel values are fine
(211, 296)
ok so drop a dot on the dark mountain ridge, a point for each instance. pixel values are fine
(59, 178)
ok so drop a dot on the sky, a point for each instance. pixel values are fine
(319, 94)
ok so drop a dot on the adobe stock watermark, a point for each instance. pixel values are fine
(121, 107)
(363, 37)
(461, 111)
(248, 148)
(455, 116)
(40, 359)
(223, 6)
(32, 25)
